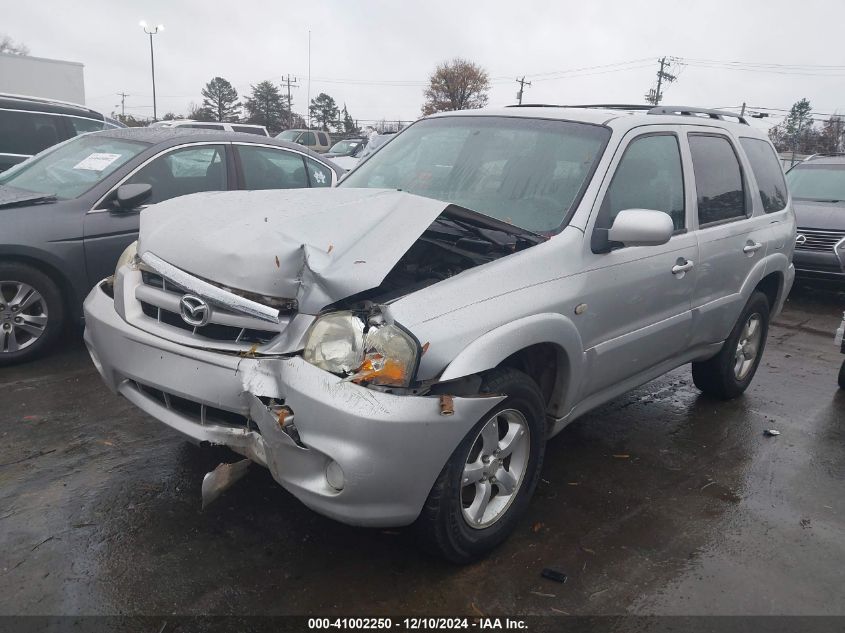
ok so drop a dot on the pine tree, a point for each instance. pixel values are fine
(220, 100)
(324, 110)
(266, 106)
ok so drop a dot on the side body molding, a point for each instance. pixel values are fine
(492, 347)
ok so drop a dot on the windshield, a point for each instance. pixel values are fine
(289, 135)
(527, 172)
(344, 147)
(817, 182)
(72, 168)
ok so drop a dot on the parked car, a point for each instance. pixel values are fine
(315, 140)
(31, 124)
(69, 212)
(247, 128)
(818, 190)
(347, 152)
(397, 350)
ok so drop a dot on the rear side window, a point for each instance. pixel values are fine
(323, 139)
(767, 172)
(649, 176)
(81, 126)
(318, 174)
(308, 139)
(718, 179)
(28, 132)
(266, 168)
(248, 129)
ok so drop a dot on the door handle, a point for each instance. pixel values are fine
(680, 269)
(751, 247)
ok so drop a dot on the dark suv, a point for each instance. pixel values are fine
(29, 125)
(818, 193)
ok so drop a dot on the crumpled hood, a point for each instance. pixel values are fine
(810, 214)
(315, 245)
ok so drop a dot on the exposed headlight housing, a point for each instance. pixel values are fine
(382, 354)
(129, 257)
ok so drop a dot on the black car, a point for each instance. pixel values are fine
(68, 213)
(817, 186)
(29, 125)
(347, 147)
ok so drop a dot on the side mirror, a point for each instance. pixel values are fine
(132, 196)
(641, 227)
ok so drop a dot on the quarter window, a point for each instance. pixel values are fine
(649, 176)
(184, 171)
(81, 126)
(318, 174)
(323, 139)
(767, 172)
(266, 168)
(718, 179)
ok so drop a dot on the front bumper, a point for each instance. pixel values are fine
(818, 265)
(391, 448)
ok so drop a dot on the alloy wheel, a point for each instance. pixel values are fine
(748, 346)
(23, 316)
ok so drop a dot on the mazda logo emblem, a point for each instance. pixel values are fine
(800, 239)
(194, 310)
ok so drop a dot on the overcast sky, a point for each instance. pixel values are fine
(375, 55)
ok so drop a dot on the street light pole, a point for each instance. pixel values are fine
(152, 31)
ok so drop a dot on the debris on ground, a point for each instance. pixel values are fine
(542, 595)
(537, 527)
(554, 574)
(621, 456)
(771, 432)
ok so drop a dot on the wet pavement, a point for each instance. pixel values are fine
(661, 502)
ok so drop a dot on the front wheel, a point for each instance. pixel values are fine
(488, 481)
(728, 374)
(31, 312)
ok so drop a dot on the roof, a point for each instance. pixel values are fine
(177, 135)
(615, 117)
(40, 104)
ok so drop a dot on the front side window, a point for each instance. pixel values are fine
(767, 172)
(289, 135)
(184, 171)
(308, 139)
(528, 172)
(817, 181)
(81, 126)
(72, 168)
(649, 176)
(28, 133)
(266, 168)
(718, 179)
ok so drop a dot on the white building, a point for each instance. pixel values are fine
(40, 77)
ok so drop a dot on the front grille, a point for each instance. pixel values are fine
(164, 309)
(196, 411)
(819, 240)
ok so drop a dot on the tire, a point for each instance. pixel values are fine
(444, 525)
(29, 301)
(724, 376)
(842, 376)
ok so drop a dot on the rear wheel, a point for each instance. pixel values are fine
(31, 312)
(728, 374)
(488, 481)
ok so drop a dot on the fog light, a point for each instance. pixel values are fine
(334, 476)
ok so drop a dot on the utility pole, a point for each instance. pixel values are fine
(655, 96)
(743, 109)
(123, 96)
(291, 83)
(522, 83)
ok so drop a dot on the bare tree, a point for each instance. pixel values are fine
(7, 45)
(456, 85)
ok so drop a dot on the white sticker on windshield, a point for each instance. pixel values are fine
(97, 161)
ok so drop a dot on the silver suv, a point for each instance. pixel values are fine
(397, 350)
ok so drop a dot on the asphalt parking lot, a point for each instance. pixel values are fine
(661, 502)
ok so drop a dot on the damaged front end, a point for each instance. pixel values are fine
(301, 369)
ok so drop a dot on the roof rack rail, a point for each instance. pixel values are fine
(823, 155)
(687, 111)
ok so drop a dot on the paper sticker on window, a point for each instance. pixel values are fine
(97, 161)
(319, 177)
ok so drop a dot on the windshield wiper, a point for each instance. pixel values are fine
(26, 198)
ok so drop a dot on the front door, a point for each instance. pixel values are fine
(638, 298)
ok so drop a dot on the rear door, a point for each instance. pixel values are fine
(731, 232)
(171, 173)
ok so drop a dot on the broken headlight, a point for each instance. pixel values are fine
(384, 354)
(128, 256)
